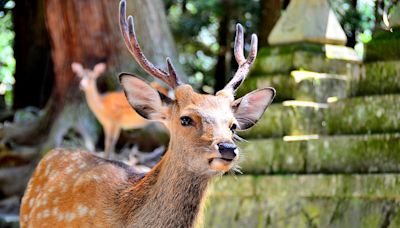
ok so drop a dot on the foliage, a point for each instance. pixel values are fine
(7, 61)
(195, 25)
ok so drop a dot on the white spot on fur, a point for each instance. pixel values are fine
(69, 216)
(38, 203)
(47, 171)
(46, 213)
(97, 178)
(69, 170)
(55, 211)
(26, 218)
(31, 201)
(60, 217)
(53, 175)
(82, 210)
(82, 165)
(37, 189)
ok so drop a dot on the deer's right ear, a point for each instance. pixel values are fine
(146, 100)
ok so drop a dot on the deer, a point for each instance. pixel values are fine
(111, 109)
(79, 189)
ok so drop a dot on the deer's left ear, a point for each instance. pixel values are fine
(249, 108)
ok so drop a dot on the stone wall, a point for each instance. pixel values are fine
(327, 151)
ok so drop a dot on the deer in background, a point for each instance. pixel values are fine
(79, 189)
(111, 109)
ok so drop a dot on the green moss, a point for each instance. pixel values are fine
(383, 46)
(272, 156)
(274, 123)
(377, 78)
(338, 154)
(372, 114)
(307, 201)
(319, 87)
(283, 63)
(283, 84)
(291, 118)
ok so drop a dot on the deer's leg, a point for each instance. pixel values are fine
(111, 138)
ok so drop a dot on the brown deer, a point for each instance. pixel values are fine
(111, 109)
(79, 189)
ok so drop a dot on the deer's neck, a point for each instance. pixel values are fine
(168, 196)
(93, 98)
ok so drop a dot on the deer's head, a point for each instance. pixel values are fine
(202, 127)
(88, 76)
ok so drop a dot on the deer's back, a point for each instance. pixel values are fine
(74, 189)
(118, 109)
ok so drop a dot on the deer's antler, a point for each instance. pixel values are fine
(244, 64)
(128, 32)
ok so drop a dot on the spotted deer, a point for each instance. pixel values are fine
(111, 109)
(80, 189)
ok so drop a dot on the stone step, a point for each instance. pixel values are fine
(304, 201)
(356, 115)
(283, 59)
(284, 84)
(359, 115)
(382, 77)
(300, 85)
(378, 153)
(289, 118)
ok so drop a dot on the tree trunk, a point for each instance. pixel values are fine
(270, 13)
(223, 31)
(351, 39)
(84, 31)
(34, 70)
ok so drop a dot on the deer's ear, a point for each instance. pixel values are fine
(249, 109)
(146, 101)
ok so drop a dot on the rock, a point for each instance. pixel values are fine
(300, 85)
(311, 57)
(328, 154)
(275, 122)
(383, 46)
(381, 77)
(299, 24)
(305, 201)
(360, 115)
(284, 84)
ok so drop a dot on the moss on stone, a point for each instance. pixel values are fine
(383, 46)
(274, 123)
(282, 83)
(337, 154)
(372, 114)
(377, 78)
(276, 62)
(305, 201)
(272, 156)
(317, 87)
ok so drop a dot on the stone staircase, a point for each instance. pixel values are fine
(325, 154)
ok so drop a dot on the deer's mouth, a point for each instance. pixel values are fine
(225, 160)
(221, 164)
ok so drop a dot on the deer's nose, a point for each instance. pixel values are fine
(228, 151)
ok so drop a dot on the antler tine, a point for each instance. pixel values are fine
(244, 64)
(128, 32)
(238, 49)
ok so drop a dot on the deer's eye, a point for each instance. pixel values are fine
(186, 121)
(233, 127)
